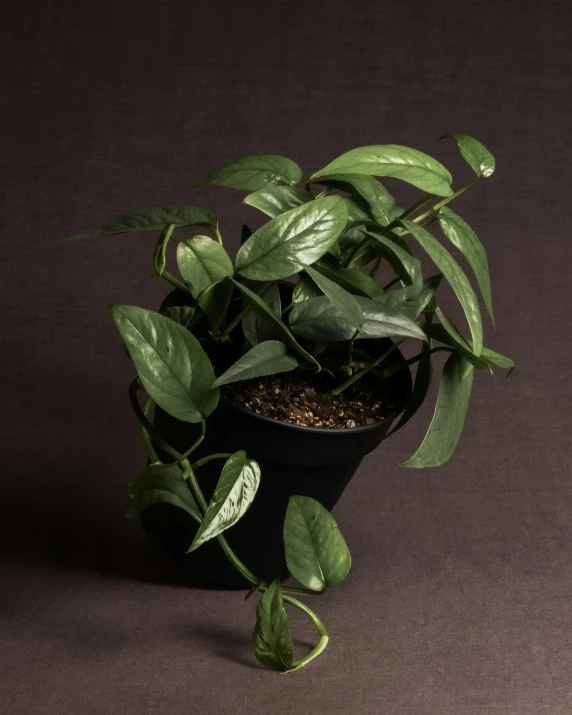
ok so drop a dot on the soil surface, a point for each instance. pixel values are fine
(289, 398)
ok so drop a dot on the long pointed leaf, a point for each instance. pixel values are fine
(256, 330)
(381, 203)
(353, 281)
(253, 172)
(475, 154)
(161, 483)
(344, 301)
(267, 358)
(276, 200)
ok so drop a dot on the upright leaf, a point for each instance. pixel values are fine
(161, 483)
(171, 364)
(202, 261)
(445, 428)
(464, 238)
(233, 495)
(399, 162)
(456, 278)
(271, 639)
(155, 218)
(182, 314)
(279, 329)
(316, 552)
(475, 154)
(344, 301)
(256, 329)
(276, 200)
(253, 172)
(214, 304)
(380, 202)
(294, 239)
(267, 358)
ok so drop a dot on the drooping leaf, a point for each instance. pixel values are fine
(399, 162)
(420, 389)
(450, 336)
(345, 302)
(202, 261)
(276, 200)
(406, 266)
(271, 639)
(173, 367)
(280, 331)
(412, 305)
(161, 483)
(154, 218)
(351, 280)
(316, 552)
(497, 359)
(182, 314)
(256, 329)
(464, 238)
(475, 154)
(214, 304)
(233, 495)
(294, 239)
(318, 319)
(445, 428)
(267, 358)
(253, 172)
(380, 202)
(456, 277)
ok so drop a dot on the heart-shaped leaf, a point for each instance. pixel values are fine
(173, 367)
(399, 162)
(318, 319)
(344, 301)
(155, 218)
(161, 483)
(279, 329)
(256, 329)
(253, 172)
(380, 202)
(464, 238)
(316, 552)
(304, 289)
(294, 239)
(455, 276)
(475, 154)
(267, 358)
(349, 279)
(202, 261)
(276, 200)
(450, 411)
(182, 314)
(271, 639)
(233, 495)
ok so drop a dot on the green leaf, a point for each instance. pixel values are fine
(160, 253)
(349, 279)
(412, 305)
(202, 261)
(399, 162)
(294, 239)
(497, 359)
(232, 497)
(182, 314)
(161, 483)
(214, 304)
(155, 218)
(445, 428)
(380, 202)
(406, 266)
(475, 154)
(464, 238)
(173, 367)
(344, 301)
(276, 200)
(318, 319)
(456, 278)
(271, 639)
(455, 340)
(267, 358)
(253, 172)
(316, 552)
(256, 330)
(420, 387)
(304, 289)
(279, 330)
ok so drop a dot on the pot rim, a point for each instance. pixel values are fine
(315, 430)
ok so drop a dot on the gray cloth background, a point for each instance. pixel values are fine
(459, 599)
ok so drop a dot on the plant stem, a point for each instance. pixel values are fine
(375, 266)
(444, 201)
(418, 205)
(159, 255)
(320, 645)
(232, 325)
(388, 372)
(391, 283)
(176, 282)
(198, 440)
(360, 373)
(205, 460)
(145, 435)
(155, 436)
(218, 235)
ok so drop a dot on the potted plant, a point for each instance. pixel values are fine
(268, 392)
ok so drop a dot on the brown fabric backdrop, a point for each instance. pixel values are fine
(459, 600)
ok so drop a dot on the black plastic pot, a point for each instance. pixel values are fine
(310, 461)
